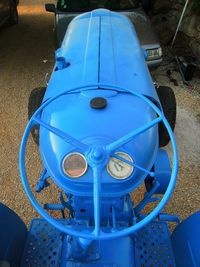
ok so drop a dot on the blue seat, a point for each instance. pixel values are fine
(186, 242)
(12, 237)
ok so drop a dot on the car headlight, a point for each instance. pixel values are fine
(74, 165)
(153, 54)
(119, 169)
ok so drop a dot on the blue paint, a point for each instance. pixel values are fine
(161, 173)
(100, 236)
(102, 47)
(13, 235)
(101, 57)
(133, 251)
(186, 242)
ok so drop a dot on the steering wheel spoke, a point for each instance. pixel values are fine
(152, 174)
(97, 174)
(128, 137)
(66, 137)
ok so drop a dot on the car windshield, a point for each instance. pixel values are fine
(88, 5)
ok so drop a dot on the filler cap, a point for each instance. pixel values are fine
(98, 103)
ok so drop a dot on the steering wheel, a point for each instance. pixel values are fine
(97, 157)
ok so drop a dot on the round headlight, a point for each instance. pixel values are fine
(119, 169)
(74, 165)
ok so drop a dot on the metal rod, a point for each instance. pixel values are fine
(97, 172)
(128, 137)
(66, 137)
(113, 218)
(152, 174)
(179, 24)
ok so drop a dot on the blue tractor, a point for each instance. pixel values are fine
(100, 126)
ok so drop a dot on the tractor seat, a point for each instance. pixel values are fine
(12, 237)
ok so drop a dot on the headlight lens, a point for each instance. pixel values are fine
(74, 165)
(119, 169)
(153, 54)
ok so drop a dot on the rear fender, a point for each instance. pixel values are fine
(186, 242)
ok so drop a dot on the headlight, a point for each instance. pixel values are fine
(74, 165)
(153, 54)
(119, 169)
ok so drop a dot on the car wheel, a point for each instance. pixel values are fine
(35, 100)
(13, 13)
(168, 102)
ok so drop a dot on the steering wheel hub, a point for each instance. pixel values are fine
(97, 155)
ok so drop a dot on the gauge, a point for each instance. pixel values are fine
(118, 169)
(74, 165)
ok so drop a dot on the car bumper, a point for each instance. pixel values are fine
(154, 63)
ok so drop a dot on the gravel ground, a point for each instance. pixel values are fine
(24, 50)
(186, 198)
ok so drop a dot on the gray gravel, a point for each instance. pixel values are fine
(23, 49)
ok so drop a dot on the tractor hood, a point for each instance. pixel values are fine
(73, 114)
(100, 48)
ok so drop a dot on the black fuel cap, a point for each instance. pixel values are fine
(98, 103)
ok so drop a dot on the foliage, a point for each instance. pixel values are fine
(196, 5)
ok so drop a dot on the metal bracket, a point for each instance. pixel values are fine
(147, 198)
(42, 183)
(61, 207)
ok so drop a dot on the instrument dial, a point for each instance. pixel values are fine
(74, 165)
(119, 169)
